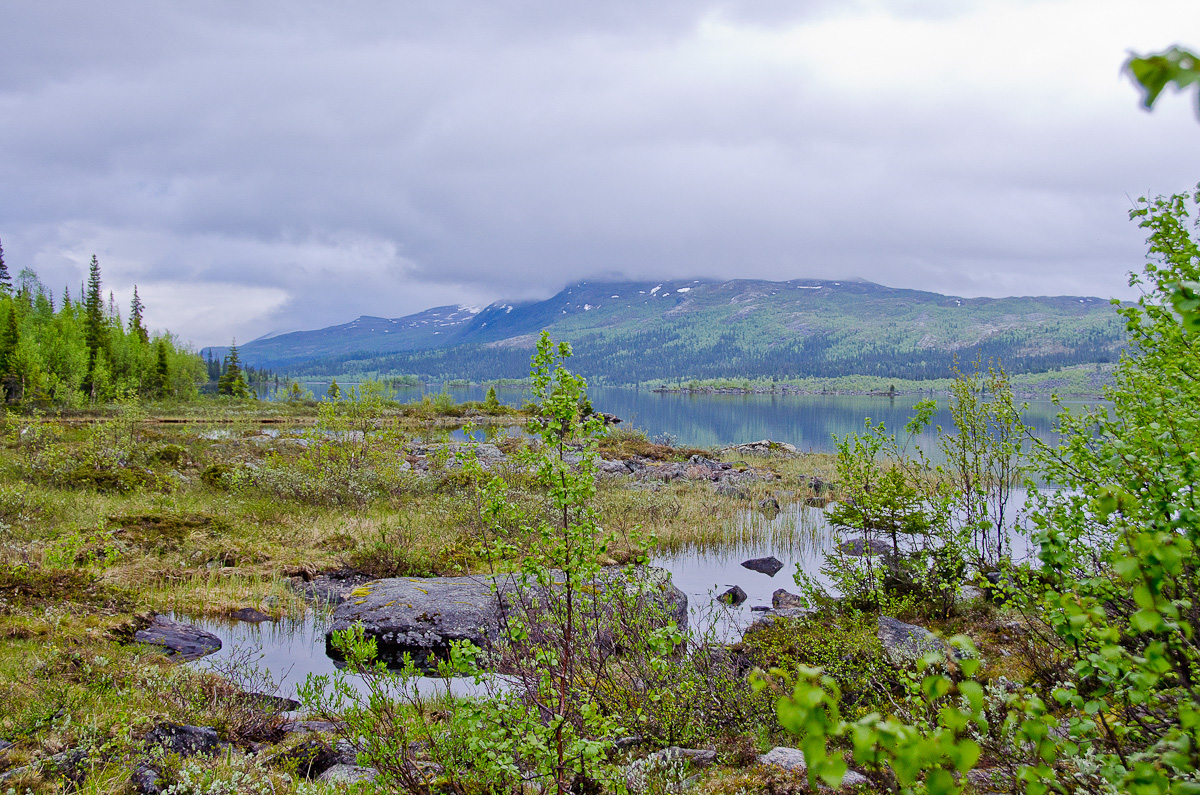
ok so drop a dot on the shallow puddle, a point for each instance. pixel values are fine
(798, 536)
(292, 649)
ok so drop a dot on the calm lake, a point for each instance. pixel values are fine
(710, 420)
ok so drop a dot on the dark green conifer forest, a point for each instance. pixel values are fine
(74, 353)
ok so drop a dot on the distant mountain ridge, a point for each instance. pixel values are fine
(628, 332)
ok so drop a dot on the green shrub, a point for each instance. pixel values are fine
(217, 476)
(171, 455)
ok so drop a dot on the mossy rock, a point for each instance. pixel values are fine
(217, 476)
(117, 480)
(163, 531)
(23, 585)
(171, 455)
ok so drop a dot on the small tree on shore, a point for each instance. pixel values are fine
(232, 381)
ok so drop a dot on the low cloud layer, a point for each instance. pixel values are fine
(290, 165)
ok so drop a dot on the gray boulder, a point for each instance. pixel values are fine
(348, 774)
(421, 617)
(792, 760)
(783, 599)
(861, 547)
(181, 641)
(147, 780)
(905, 642)
(731, 490)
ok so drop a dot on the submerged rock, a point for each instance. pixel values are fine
(250, 615)
(734, 596)
(769, 566)
(421, 617)
(178, 640)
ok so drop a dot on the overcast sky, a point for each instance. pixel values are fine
(256, 167)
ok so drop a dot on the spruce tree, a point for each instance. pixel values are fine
(93, 326)
(135, 318)
(10, 338)
(334, 392)
(163, 366)
(5, 280)
(232, 382)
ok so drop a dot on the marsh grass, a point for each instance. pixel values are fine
(81, 566)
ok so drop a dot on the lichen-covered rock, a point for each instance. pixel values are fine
(902, 642)
(761, 447)
(185, 740)
(792, 760)
(783, 599)
(348, 774)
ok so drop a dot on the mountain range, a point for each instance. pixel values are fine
(632, 332)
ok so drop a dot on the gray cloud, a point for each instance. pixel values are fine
(321, 161)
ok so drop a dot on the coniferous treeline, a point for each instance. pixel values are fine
(81, 351)
(661, 354)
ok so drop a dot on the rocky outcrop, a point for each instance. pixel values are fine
(421, 617)
(761, 447)
(723, 475)
(181, 641)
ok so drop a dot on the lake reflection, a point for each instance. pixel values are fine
(709, 420)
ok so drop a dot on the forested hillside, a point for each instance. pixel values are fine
(81, 351)
(633, 332)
